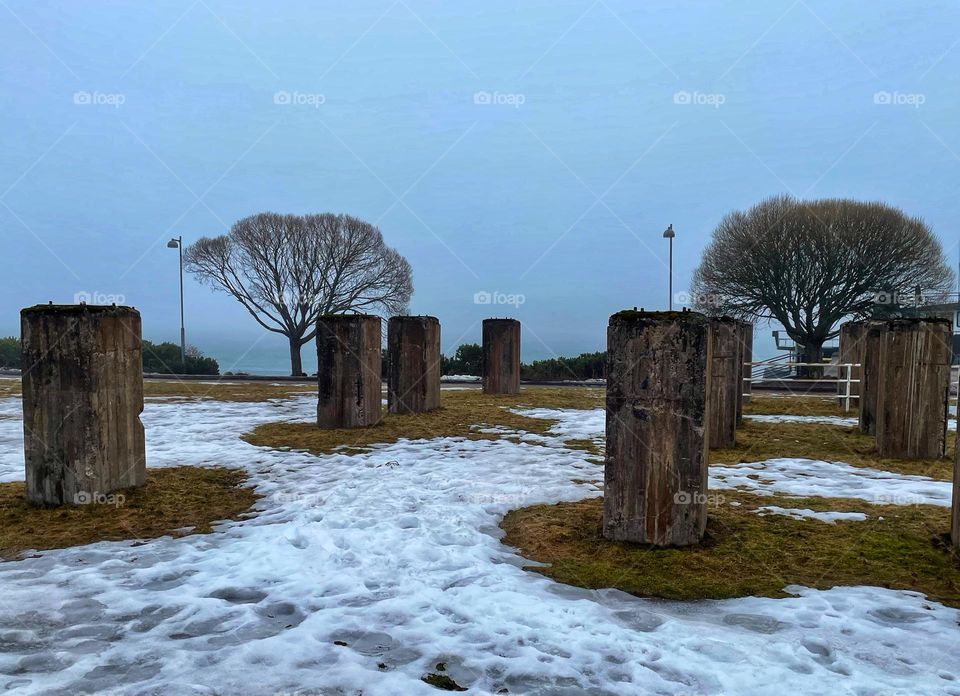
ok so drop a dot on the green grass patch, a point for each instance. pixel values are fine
(461, 414)
(757, 441)
(744, 554)
(172, 499)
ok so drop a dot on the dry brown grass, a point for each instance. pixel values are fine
(9, 386)
(759, 441)
(461, 413)
(770, 404)
(745, 554)
(225, 391)
(172, 499)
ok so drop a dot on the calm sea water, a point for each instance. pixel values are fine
(268, 355)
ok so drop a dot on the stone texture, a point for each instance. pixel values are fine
(913, 388)
(82, 400)
(655, 474)
(413, 371)
(501, 356)
(348, 371)
(725, 359)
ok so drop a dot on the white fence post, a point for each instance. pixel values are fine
(846, 391)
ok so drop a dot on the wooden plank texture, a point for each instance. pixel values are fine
(413, 370)
(348, 371)
(655, 474)
(82, 400)
(501, 356)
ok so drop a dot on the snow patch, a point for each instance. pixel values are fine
(807, 514)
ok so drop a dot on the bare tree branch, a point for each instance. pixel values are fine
(809, 264)
(288, 270)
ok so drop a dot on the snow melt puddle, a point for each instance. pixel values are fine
(395, 554)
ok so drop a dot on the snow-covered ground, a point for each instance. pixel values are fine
(825, 420)
(808, 514)
(812, 478)
(396, 554)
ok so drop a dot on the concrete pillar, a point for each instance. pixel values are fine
(413, 371)
(348, 371)
(82, 399)
(914, 388)
(501, 356)
(852, 349)
(870, 375)
(725, 357)
(745, 388)
(655, 474)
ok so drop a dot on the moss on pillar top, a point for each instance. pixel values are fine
(346, 317)
(641, 315)
(411, 317)
(902, 323)
(78, 309)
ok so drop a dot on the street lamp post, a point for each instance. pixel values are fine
(669, 234)
(177, 243)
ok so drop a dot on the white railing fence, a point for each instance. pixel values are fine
(844, 379)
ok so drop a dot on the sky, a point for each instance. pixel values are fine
(526, 153)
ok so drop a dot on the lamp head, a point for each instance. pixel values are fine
(173, 244)
(669, 233)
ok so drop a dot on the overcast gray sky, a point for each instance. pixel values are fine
(536, 150)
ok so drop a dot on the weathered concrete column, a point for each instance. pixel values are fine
(724, 382)
(853, 339)
(82, 399)
(655, 474)
(955, 508)
(501, 356)
(348, 371)
(870, 375)
(744, 386)
(914, 388)
(413, 370)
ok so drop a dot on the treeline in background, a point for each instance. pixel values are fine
(158, 358)
(164, 358)
(468, 360)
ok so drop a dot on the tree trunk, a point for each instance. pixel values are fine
(811, 352)
(296, 364)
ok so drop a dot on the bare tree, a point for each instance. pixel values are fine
(809, 264)
(287, 270)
